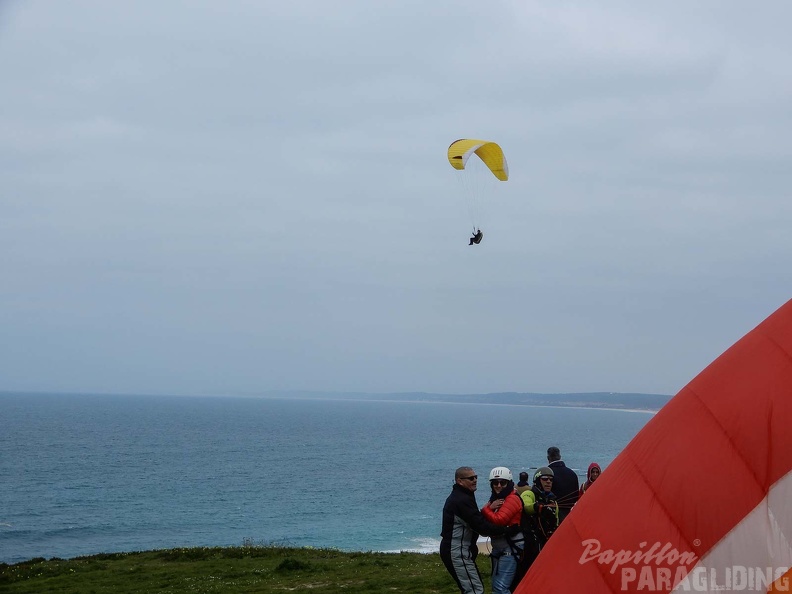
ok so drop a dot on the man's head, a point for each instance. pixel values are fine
(543, 479)
(466, 477)
(523, 477)
(553, 454)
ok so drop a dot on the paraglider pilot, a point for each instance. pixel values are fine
(477, 237)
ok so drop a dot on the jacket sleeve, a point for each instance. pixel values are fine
(507, 514)
(529, 500)
(488, 514)
(476, 520)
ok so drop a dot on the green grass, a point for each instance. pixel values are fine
(236, 570)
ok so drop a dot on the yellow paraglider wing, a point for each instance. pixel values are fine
(489, 152)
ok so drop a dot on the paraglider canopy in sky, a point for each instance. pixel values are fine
(489, 152)
(475, 175)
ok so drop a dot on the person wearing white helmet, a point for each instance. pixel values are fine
(505, 509)
(462, 524)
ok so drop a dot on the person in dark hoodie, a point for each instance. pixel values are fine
(522, 484)
(565, 483)
(462, 524)
(592, 475)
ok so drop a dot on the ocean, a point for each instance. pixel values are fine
(87, 474)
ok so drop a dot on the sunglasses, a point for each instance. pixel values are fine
(500, 482)
(469, 478)
(547, 478)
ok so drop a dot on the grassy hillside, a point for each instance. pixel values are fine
(234, 570)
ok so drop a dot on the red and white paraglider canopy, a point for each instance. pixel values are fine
(701, 499)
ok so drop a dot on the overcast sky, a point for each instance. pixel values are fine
(203, 197)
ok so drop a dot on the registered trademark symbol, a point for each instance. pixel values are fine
(696, 542)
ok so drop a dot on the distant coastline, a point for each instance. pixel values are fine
(625, 401)
(603, 400)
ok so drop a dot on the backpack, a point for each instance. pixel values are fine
(532, 544)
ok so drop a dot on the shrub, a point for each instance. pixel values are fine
(292, 564)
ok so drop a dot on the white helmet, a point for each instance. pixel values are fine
(500, 472)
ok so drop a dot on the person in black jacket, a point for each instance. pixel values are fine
(565, 483)
(523, 485)
(462, 525)
(546, 511)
